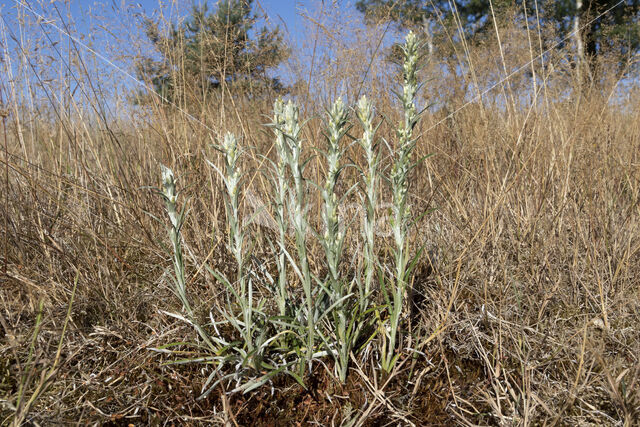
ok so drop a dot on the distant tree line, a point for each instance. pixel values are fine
(213, 48)
(221, 47)
(594, 26)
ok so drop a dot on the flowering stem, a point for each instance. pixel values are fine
(365, 115)
(282, 187)
(399, 187)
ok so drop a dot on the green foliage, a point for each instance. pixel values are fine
(211, 48)
(413, 13)
(615, 30)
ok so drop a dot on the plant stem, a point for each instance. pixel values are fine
(280, 200)
(298, 209)
(399, 187)
(365, 115)
(333, 238)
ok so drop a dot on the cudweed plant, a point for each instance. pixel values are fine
(169, 194)
(243, 292)
(298, 207)
(365, 115)
(255, 340)
(333, 240)
(334, 304)
(399, 181)
(231, 179)
(176, 220)
(280, 198)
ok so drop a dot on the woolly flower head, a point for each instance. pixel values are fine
(410, 65)
(167, 175)
(169, 192)
(278, 112)
(411, 44)
(279, 129)
(411, 38)
(365, 109)
(291, 119)
(230, 144)
(338, 115)
(168, 184)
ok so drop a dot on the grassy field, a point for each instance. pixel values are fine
(521, 243)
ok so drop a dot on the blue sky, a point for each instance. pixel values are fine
(284, 13)
(109, 37)
(287, 14)
(107, 33)
(108, 25)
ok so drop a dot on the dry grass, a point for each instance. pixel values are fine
(528, 315)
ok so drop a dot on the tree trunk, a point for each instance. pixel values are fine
(579, 45)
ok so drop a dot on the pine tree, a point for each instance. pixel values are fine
(213, 48)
